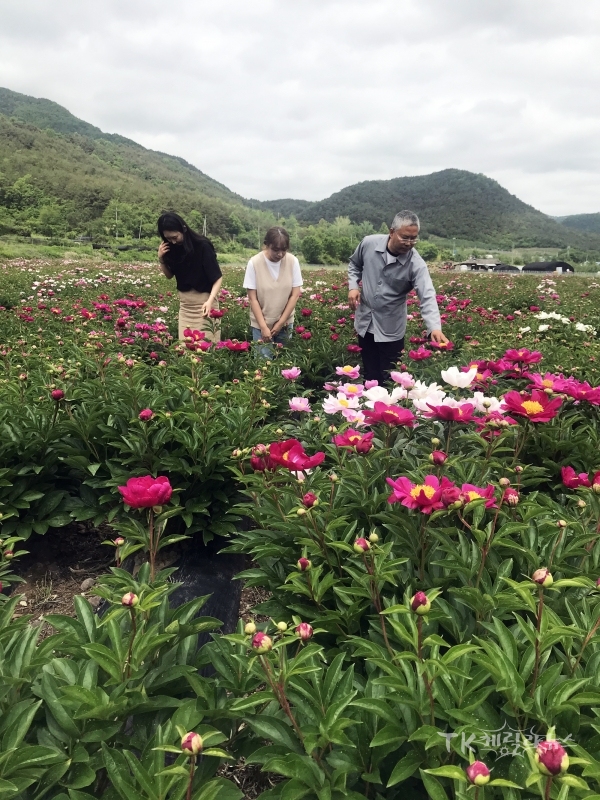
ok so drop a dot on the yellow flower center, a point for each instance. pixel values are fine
(354, 439)
(473, 496)
(532, 407)
(351, 389)
(344, 402)
(549, 384)
(428, 491)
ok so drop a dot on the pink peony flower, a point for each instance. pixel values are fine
(389, 415)
(361, 442)
(299, 404)
(146, 414)
(290, 454)
(572, 480)
(261, 643)
(470, 493)
(361, 545)
(304, 564)
(426, 496)
(57, 394)
(348, 372)
(291, 374)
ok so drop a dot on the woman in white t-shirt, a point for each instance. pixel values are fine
(273, 280)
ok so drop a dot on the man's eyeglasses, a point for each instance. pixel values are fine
(408, 239)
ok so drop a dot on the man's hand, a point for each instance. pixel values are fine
(354, 298)
(438, 336)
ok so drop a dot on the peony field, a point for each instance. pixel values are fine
(425, 555)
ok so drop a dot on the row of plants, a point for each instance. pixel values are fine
(430, 551)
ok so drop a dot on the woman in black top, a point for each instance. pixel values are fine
(191, 258)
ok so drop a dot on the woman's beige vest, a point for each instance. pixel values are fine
(272, 294)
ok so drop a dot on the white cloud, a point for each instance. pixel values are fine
(282, 99)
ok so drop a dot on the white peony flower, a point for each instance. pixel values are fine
(421, 389)
(458, 379)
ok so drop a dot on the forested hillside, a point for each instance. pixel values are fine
(60, 175)
(582, 222)
(450, 203)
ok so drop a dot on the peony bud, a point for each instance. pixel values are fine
(57, 394)
(361, 545)
(130, 599)
(282, 627)
(502, 482)
(304, 564)
(542, 577)
(420, 603)
(119, 541)
(435, 441)
(581, 504)
(9, 554)
(478, 773)
(551, 758)
(373, 538)
(300, 511)
(192, 744)
(333, 477)
(511, 496)
(146, 414)
(518, 469)
(261, 643)
(561, 523)
(304, 631)
(310, 499)
(438, 457)
(249, 628)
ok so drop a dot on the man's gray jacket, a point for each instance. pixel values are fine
(386, 280)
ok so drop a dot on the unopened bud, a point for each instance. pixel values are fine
(561, 523)
(435, 441)
(581, 503)
(420, 603)
(361, 545)
(477, 773)
(282, 626)
(304, 631)
(543, 577)
(373, 538)
(551, 758)
(261, 643)
(304, 564)
(504, 482)
(130, 599)
(192, 744)
(249, 629)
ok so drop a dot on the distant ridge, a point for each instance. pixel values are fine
(451, 203)
(582, 222)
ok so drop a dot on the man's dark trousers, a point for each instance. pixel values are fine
(379, 357)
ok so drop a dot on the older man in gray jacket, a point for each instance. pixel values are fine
(389, 267)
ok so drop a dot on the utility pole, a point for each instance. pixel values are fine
(116, 224)
(140, 231)
(204, 227)
(454, 247)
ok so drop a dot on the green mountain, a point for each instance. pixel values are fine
(582, 222)
(450, 203)
(59, 174)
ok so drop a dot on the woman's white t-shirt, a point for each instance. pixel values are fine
(250, 276)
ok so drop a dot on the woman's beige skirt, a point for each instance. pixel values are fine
(190, 315)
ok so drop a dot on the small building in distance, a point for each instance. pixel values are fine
(548, 266)
(489, 264)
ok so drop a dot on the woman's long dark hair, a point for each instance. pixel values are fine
(169, 221)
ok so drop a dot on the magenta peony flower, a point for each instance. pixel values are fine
(146, 492)
(57, 394)
(304, 564)
(310, 499)
(146, 414)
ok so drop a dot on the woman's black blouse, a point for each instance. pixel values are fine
(196, 270)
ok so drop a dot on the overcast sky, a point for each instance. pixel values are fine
(276, 98)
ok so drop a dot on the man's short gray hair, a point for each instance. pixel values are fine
(403, 218)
